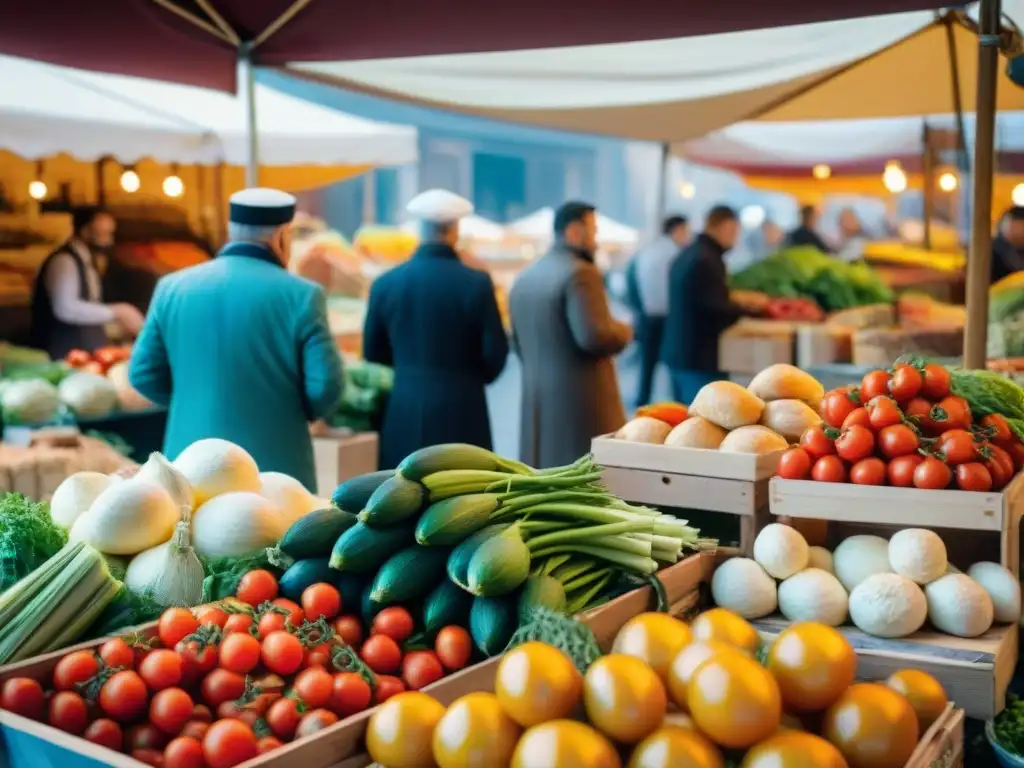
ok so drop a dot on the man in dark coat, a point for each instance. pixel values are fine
(436, 322)
(807, 232)
(699, 308)
(566, 338)
(1008, 245)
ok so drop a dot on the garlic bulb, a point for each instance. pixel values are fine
(170, 573)
(160, 471)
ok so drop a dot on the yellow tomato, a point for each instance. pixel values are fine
(400, 733)
(536, 682)
(654, 637)
(873, 726)
(720, 624)
(793, 749)
(686, 663)
(624, 697)
(566, 744)
(813, 665)
(475, 732)
(925, 694)
(674, 747)
(734, 700)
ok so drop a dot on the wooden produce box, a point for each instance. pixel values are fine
(35, 470)
(942, 745)
(692, 478)
(823, 345)
(750, 346)
(975, 672)
(340, 455)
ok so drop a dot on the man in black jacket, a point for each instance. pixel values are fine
(1008, 244)
(699, 308)
(807, 232)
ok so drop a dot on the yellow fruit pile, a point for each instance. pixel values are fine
(670, 695)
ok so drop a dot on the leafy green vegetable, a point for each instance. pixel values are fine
(127, 610)
(574, 639)
(224, 573)
(1009, 726)
(28, 537)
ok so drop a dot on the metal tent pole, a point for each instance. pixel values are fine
(252, 159)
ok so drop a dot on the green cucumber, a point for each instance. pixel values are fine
(448, 604)
(395, 501)
(499, 565)
(438, 458)
(305, 573)
(458, 561)
(353, 494)
(492, 622)
(540, 592)
(409, 574)
(362, 549)
(314, 534)
(448, 522)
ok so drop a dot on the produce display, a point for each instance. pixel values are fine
(367, 387)
(100, 361)
(670, 694)
(776, 408)
(886, 588)
(55, 393)
(919, 425)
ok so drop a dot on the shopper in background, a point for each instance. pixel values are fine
(67, 299)
(238, 348)
(699, 307)
(1008, 244)
(565, 336)
(852, 237)
(436, 322)
(807, 232)
(652, 265)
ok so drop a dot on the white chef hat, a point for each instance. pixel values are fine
(439, 206)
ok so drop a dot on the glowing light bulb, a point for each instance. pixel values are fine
(894, 179)
(948, 182)
(174, 186)
(130, 181)
(37, 190)
(753, 216)
(821, 171)
(1017, 196)
(687, 190)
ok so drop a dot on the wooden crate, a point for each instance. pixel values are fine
(942, 745)
(31, 744)
(339, 456)
(975, 672)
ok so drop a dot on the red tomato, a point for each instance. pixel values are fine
(184, 752)
(231, 710)
(220, 686)
(829, 469)
(162, 669)
(175, 625)
(874, 384)
(795, 464)
(952, 413)
(958, 446)
(257, 587)
(387, 686)
(23, 696)
(314, 686)
(349, 629)
(381, 654)
(76, 667)
(124, 697)
(898, 440)
(935, 384)
(275, 620)
(195, 729)
(997, 428)
(1016, 450)
(151, 757)
(78, 358)
(106, 733)
(932, 474)
(919, 412)
(145, 736)
(837, 405)
(870, 471)
(212, 614)
(282, 652)
(906, 382)
(884, 412)
(395, 622)
(420, 669)
(69, 712)
(453, 647)
(228, 743)
(268, 744)
(197, 659)
(318, 657)
(283, 718)
(321, 601)
(819, 441)
(237, 622)
(202, 714)
(117, 653)
(855, 443)
(858, 417)
(973, 476)
(239, 653)
(901, 470)
(350, 694)
(315, 721)
(170, 709)
(1000, 466)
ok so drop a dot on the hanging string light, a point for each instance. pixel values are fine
(37, 187)
(173, 185)
(894, 179)
(821, 171)
(687, 190)
(1017, 195)
(948, 182)
(130, 182)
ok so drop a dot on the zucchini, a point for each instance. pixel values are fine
(409, 574)
(499, 565)
(314, 534)
(351, 587)
(438, 458)
(492, 622)
(448, 604)
(458, 560)
(305, 573)
(450, 521)
(540, 592)
(353, 494)
(362, 549)
(395, 500)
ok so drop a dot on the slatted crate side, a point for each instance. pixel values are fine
(611, 452)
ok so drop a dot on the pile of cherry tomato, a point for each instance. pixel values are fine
(220, 684)
(905, 428)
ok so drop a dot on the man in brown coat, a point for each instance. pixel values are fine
(566, 338)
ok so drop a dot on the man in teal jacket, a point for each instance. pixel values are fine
(238, 348)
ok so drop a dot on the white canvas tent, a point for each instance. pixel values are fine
(46, 109)
(539, 227)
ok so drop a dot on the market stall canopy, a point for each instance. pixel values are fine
(539, 227)
(46, 109)
(682, 88)
(198, 41)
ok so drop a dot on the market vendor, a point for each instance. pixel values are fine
(67, 299)
(237, 348)
(807, 232)
(1008, 244)
(436, 322)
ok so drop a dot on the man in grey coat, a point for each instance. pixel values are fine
(566, 337)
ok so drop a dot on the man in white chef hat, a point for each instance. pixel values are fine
(240, 349)
(436, 322)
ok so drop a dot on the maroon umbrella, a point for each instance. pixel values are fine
(197, 41)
